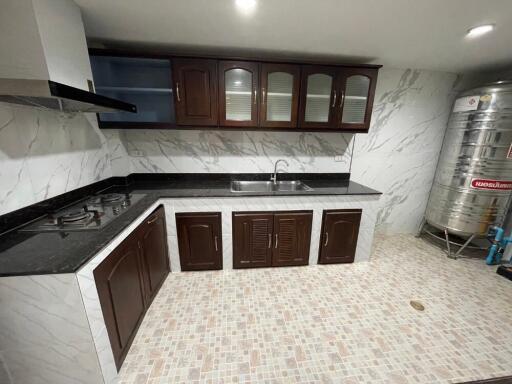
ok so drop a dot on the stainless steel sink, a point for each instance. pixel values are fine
(269, 186)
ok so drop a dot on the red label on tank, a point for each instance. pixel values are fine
(496, 185)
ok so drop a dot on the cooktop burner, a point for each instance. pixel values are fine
(76, 218)
(92, 213)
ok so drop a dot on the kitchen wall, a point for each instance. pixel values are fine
(227, 151)
(43, 154)
(46, 153)
(397, 157)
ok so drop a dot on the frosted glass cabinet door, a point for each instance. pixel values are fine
(238, 93)
(318, 97)
(358, 88)
(356, 97)
(279, 95)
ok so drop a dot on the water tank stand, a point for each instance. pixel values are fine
(449, 243)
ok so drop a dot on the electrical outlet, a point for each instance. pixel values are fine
(338, 158)
(137, 153)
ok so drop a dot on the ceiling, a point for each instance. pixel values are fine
(426, 34)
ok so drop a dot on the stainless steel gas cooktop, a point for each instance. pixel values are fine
(92, 213)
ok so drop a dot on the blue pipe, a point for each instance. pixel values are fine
(499, 243)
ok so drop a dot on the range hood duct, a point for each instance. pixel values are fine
(44, 61)
(49, 94)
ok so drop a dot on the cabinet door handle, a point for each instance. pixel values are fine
(153, 219)
(270, 240)
(263, 95)
(178, 92)
(334, 100)
(277, 241)
(216, 245)
(341, 105)
(255, 96)
(326, 239)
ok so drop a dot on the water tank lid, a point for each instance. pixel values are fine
(494, 87)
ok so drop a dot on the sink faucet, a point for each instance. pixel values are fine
(273, 178)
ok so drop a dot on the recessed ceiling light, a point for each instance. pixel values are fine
(480, 30)
(246, 6)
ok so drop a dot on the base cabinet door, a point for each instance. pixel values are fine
(120, 288)
(199, 241)
(338, 240)
(153, 239)
(252, 239)
(292, 236)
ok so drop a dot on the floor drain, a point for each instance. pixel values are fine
(417, 305)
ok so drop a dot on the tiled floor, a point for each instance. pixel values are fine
(330, 324)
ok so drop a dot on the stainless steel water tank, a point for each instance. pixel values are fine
(473, 181)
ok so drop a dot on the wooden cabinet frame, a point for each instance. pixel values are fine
(258, 116)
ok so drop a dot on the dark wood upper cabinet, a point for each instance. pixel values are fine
(292, 236)
(178, 91)
(338, 240)
(252, 239)
(155, 255)
(238, 93)
(279, 101)
(338, 98)
(196, 91)
(199, 240)
(145, 82)
(318, 97)
(119, 281)
(357, 90)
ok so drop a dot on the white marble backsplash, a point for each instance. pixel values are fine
(45, 153)
(219, 151)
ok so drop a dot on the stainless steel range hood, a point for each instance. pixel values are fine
(52, 95)
(44, 61)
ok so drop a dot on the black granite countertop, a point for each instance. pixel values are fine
(29, 253)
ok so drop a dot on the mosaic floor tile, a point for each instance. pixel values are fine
(349, 323)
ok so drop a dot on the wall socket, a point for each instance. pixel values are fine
(137, 153)
(338, 158)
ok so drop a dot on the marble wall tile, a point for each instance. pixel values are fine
(399, 154)
(15, 186)
(228, 151)
(44, 333)
(46, 153)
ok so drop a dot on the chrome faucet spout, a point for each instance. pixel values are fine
(273, 178)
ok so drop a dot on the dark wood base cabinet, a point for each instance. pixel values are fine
(128, 280)
(265, 239)
(199, 240)
(338, 240)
